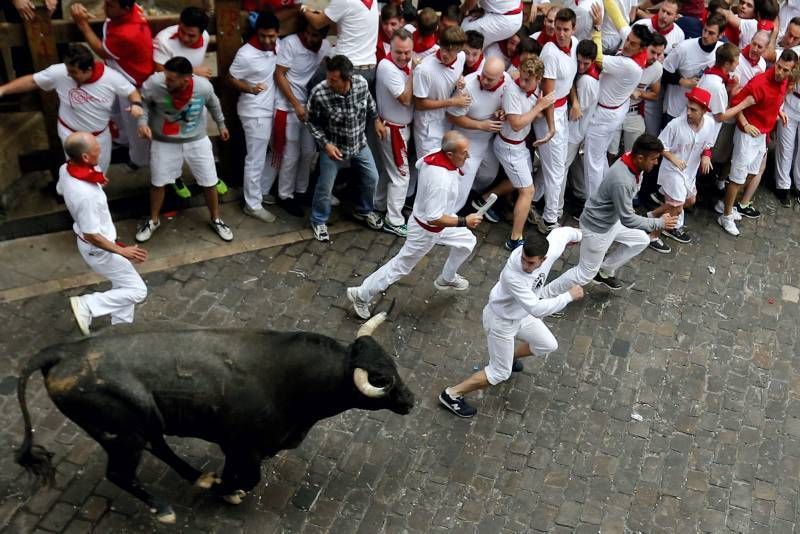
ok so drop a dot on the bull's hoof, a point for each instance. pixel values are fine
(206, 480)
(165, 515)
(235, 497)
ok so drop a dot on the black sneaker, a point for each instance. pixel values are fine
(748, 211)
(458, 405)
(678, 234)
(659, 246)
(511, 244)
(783, 197)
(291, 206)
(517, 366)
(610, 282)
(490, 215)
(797, 196)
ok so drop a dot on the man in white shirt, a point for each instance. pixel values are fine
(686, 63)
(789, 39)
(435, 82)
(789, 9)
(663, 23)
(189, 38)
(787, 162)
(252, 74)
(87, 91)
(618, 81)
(515, 310)
(394, 98)
(293, 147)
(357, 39)
(479, 122)
(552, 131)
(497, 20)
(81, 183)
(433, 222)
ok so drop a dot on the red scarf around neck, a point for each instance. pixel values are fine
(182, 97)
(656, 28)
(627, 159)
(422, 42)
(406, 70)
(493, 88)
(86, 173)
(197, 44)
(254, 42)
(367, 3)
(641, 59)
(593, 71)
(527, 93)
(473, 68)
(746, 54)
(543, 38)
(97, 72)
(440, 159)
(726, 76)
(439, 57)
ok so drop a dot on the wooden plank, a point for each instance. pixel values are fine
(42, 45)
(229, 28)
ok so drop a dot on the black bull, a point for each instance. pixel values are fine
(252, 392)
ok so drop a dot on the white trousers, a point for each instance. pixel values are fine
(418, 243)
(500, 335)
(787, 164)
(390, 195)
(604, 123)
(481, 163)
(593, 258)
(298, 156)
(257, 133)
(138, 147)
(103, 138)
(494, 27)
(551, 178)
(127, 287)
(428, 136)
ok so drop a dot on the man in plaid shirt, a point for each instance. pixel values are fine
(338, 110)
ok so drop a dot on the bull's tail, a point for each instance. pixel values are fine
(34, 458)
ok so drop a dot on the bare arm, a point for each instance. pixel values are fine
(407, 96)
(449, 221)
(735, 110)
(133, 253)
(652, 93)
(462, 121)
(20, 85)
(81, 17)
(518, 122)
(318, 19)
(546, 87)
(425, 104)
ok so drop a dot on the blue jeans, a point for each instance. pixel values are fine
(328, 168)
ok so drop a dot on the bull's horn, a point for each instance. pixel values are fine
(369, 327)
(361, 378)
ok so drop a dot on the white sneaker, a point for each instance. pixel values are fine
(146, 229)
(359, 305)
(719, 207)
(721, 185)
(334, 201)
(321, 232)
(459, 284)
(372, 219)
(82, 314)
(259, 213)
(728, 224)
(222, 229)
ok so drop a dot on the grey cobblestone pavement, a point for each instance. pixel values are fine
(673, 405)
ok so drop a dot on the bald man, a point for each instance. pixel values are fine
(479, 122)
(81, 183)
(433, 222)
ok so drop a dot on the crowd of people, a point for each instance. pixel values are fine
(440, 109)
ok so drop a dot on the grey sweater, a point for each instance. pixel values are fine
(170, 125)
(613, 201)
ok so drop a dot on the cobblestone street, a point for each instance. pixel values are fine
(670, 406)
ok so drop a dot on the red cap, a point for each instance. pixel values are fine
(700, 96)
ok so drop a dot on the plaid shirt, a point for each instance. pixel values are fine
(341, 119)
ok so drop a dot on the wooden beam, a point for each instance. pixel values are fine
(229, 28)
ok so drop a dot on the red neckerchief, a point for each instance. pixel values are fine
(198, 44)
(493, 88)
(86, 173)
(440, 159)
(654, 24)
(182, 97)
(627, 159)
(254, 42)
(474, 67)
(527, 93)
(439, 57)
(406, 69)
(746, 54)
(422, 42)
(543, 38)
(593, 71)
(640, 59)
(367, 3)
(303, 42)
(516, 60)
(726, 77)
(97, 72)
(766, 25)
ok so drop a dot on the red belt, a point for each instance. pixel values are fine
(398, 144)
(511, 141)
(560, 102)
(428, 227)
(609, 107)
(514, 11)
(71, 129)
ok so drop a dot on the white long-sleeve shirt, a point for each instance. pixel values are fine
(515, 295)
